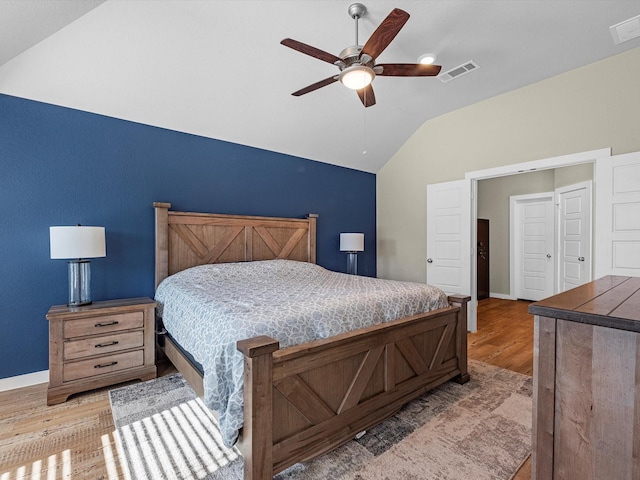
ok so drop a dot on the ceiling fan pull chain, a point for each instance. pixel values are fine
(364, 130)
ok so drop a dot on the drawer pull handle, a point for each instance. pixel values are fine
(102, 365)
(101, 345)
(107, 324)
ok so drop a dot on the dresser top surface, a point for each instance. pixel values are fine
(611, 301)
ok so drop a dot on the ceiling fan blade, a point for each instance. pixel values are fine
(316, 86)
(385, 33)
(312, 51)
(366, 96)
(407, 70)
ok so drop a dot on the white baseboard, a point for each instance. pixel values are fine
(25, 380)
(502, 296)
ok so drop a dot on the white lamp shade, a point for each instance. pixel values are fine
(352, 242)
(77, 242)
(356, 77)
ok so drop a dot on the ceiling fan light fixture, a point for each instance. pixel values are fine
(427, 59)
(357, 77)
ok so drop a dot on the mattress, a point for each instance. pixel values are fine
(208, 308)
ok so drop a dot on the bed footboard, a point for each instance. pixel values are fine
(303, 401)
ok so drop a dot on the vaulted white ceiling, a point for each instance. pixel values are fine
(216, 68)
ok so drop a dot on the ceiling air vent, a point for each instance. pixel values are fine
(458, 71)
(627, 30)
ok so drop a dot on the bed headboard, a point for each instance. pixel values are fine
(185, 239)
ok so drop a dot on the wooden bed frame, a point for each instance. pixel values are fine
(305, 400)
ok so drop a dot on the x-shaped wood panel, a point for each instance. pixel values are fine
(299, 394)
(276, 249)
(208, 254)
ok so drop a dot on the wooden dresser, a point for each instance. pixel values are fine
(100, 344)
(586, 401)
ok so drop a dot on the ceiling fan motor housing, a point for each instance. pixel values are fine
(351, 55)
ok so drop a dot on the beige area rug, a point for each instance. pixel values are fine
(476, 431)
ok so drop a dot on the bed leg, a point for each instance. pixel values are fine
(461, 341)
(257, 432)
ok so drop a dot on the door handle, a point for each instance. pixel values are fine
(548, 255)
(429, 260)
(581, 259)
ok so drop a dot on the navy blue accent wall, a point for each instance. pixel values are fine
(60, 166)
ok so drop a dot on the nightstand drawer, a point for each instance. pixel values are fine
(102, 365)
(88, 347)
(103, 324)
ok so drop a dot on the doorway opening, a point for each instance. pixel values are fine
(462, 193)
(586, 158)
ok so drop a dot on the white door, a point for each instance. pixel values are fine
(617, 200)
(533, 245)
(574, 235)
(449, 239)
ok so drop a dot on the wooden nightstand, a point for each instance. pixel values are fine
(100, 344)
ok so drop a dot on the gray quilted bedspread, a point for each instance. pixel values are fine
(208, 308)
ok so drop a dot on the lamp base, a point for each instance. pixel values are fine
(352, 263)
(79, 283)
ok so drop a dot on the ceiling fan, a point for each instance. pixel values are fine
(357, 63)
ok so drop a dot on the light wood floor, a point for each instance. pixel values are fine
(505, 335)
(75, 439)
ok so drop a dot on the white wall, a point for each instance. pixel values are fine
(589, 108)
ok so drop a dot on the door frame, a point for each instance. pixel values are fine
(515, 238)
(544, 164)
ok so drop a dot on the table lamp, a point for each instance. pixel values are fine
(78, 243)
(352, 243)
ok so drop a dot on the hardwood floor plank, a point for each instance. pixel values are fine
(505, 335)
(76, 439)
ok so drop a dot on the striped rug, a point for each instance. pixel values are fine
(479, 430)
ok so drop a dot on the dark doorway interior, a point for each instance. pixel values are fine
(483, 259)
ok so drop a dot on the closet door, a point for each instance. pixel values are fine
(532, 242)
(574, 254)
